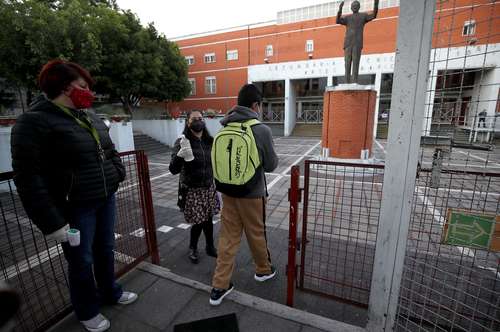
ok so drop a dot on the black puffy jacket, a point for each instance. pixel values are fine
(196, 173)
(56, 163)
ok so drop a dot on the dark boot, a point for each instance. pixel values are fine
(193, 243)
(208, 229)
(193, 255)
(211, 251)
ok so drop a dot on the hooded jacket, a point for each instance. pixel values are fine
(256, 187)
(56, 163)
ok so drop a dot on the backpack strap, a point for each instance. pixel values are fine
(248, 123)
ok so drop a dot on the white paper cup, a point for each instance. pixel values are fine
(74, 237)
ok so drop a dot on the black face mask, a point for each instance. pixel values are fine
(197, 126)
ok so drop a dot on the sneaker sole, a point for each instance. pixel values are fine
(102, 329)
(264, 278)
(219, 301)
(132, 300)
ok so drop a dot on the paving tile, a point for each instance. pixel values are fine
(253, 320)
(160, 303)
(199, 308)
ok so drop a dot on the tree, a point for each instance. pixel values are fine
(127, 60)
(138, 62)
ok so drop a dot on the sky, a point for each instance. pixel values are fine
(177, 18)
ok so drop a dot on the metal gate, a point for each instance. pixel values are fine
(35, 267)
(340, 212)
(451, 276)
(446, 285)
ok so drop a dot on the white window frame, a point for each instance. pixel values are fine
(232, 55)
(189, 59)
(309, 45)
(269, 50)
(210, 85)
(192, 81)
(209, 57)
(469, 27)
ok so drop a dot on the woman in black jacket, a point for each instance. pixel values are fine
(197, 196)
(66, 171)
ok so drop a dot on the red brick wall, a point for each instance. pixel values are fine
(289, 41)
(348, 122)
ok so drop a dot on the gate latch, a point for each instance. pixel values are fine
(437, 166)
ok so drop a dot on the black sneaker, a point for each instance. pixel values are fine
(217, 294)
(193, 256)
(263, 277)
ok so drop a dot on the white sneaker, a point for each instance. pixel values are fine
(263, 277)
(127, 298)
(97, 324)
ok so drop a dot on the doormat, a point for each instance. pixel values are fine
(225, 323)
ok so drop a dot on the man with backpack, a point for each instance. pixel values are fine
(242, 151)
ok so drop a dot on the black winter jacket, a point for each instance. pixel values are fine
(196, 173)
(56, 163)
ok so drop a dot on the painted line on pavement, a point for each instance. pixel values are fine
(298, 160)
(164, 229)
(31, 262)
(479, 158)
(138, 232)
(160, 176)
(183, 226)
(159, 164)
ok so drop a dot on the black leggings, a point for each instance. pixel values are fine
(208, 228)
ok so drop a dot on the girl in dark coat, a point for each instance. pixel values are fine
(197, 196)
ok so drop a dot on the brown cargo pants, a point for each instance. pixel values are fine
(238, 215)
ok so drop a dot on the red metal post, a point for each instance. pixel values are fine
(293, 197)
(148, 210)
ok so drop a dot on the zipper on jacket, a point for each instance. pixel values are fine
(101, 157)
(104, 180)
(230, 150)
(204, 162)
(70, 186)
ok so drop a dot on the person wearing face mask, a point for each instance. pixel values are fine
(67, 171)
(198, 199)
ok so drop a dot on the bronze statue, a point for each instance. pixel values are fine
(353, 40)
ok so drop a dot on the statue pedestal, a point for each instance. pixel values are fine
(348, 115)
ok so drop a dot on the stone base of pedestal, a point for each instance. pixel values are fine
(348, 117)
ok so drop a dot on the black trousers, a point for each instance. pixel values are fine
(208, 228)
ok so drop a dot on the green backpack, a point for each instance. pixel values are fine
(234, 153)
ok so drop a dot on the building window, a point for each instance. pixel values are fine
(469, 28)
(309, 46)
(269, 50)
(209, 57)
(210, 85)
(190, 59)
(232, 55)
(192, 81)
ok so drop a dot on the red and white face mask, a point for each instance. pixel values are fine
(81, 98)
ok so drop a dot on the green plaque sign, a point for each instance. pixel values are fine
(469, 229)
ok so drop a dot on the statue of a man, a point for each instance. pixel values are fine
(353, 40)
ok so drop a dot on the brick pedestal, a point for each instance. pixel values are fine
(348, 114)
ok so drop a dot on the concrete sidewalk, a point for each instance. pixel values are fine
(167, 299)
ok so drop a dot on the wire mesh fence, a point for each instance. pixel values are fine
(451, 276)
(35, 266)
(339, 229)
